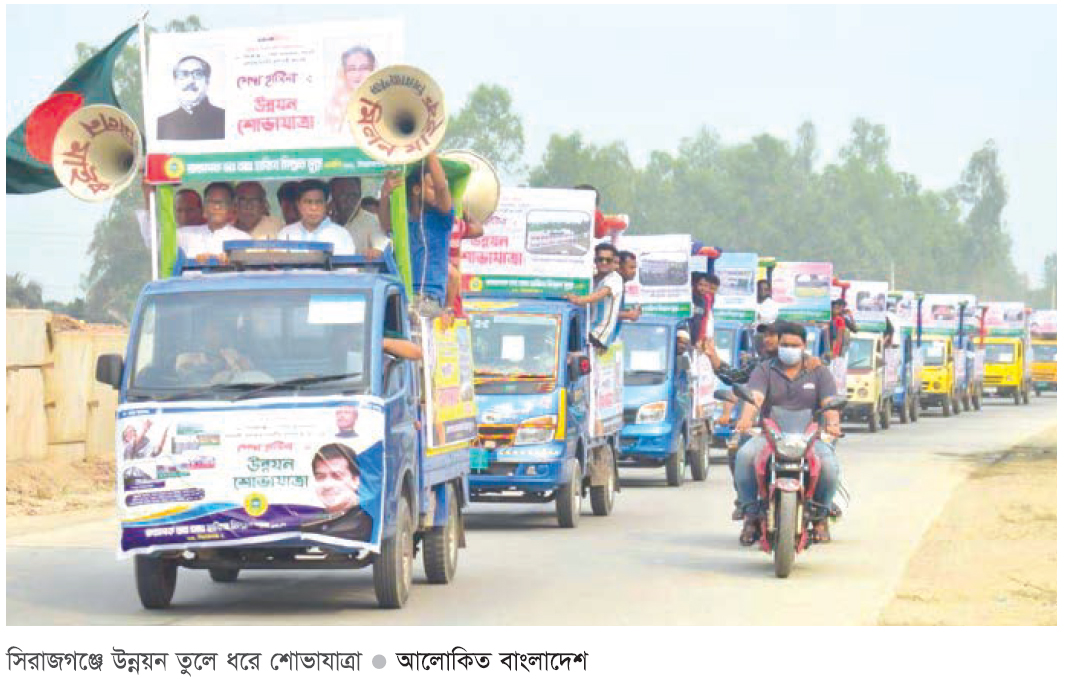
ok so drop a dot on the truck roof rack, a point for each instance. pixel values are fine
(282, 255)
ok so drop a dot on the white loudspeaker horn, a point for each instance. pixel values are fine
(397, 115)
(96, 152)
(481, 197)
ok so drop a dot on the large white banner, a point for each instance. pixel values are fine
(226, 473)
(538, 241)
(1005, 318)
(870, 304)
(662, 284)
(737, 298)
(280, 87)
(903, 304)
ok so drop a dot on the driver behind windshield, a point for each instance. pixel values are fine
(217, 360)
(790, 382)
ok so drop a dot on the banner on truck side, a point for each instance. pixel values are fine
(705, 382)
(217, 473)
(608, 388)
(1005, 318)
(903, 304)
(538, 242)
(940, 312)
(802, 289)
(252, 102)
(737, 298)
(869, 303)
(1044, 322)
(662, 284)
(451, 411)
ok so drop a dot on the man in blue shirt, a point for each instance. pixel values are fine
(430, 217)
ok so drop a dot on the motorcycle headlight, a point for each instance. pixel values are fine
(655, 412)
(792, 446)
(538, 430)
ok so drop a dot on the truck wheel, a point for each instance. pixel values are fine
(874, 420)
(1025, 395)
(885, 416)
(568, 500)
(440, 546)
(1038, 393)
(603, 497)
(675, 465)
(966, 403)
(978, 398)
(1017, 397)
(904, 411)
(393, 567)
(156, 580)
(915, 408)
(946, 406)
(223, 574)
(956, 405)
(700, 462)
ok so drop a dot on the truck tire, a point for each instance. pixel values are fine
(966, 402)
(393, 567)
(1038, 393)
(440, 546)
(915, 408)
(675, 464)
(700, 461)
(978, 398)
(784, 545)
(874, 420)
(156, 580)
(885, 416)
(602, 496)
(568, 500)
(223, 574)
(1027, 389)
(904, 411)
(946, 406)
(956, 405)
(1017, 397)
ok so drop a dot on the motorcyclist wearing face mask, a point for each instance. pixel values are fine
(790, 381)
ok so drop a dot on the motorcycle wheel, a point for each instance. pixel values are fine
(784, 545)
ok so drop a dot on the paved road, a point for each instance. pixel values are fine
(666, 556)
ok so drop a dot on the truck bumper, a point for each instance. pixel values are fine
(526, 469)
(648, 444)
(857, 411)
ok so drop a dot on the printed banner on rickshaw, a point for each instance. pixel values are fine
(940, 312)
(608, 386)
(538, 242)
(218, 473)
(1044, 322)
(803, 289)
(704, 383)
(737, 297)
(892, 368)
(450, 410)
(903, 304)
(1005, 319)
(662, 284)
(229, 103)
(870, 304)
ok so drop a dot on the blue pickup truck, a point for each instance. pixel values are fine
(537, 440)
(263, 425)
(660, 429)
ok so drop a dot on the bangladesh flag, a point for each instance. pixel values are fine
(29, 146)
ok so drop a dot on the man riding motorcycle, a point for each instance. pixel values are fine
(793, 382)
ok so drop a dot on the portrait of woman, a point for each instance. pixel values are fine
(356, 63)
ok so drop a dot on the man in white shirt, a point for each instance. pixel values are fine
(188, 211)
(208, 239)
(253, 212)
(345, 195)
(313, 225)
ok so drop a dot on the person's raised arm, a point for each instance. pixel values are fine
(384, 211)
(474, 229)
(441, 193)
(403, 349)
(596, 296)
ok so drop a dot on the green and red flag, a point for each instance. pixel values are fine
(29, 146)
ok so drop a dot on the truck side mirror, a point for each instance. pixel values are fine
(109, 369)
(577, 366)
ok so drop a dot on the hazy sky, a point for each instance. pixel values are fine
(942, 79)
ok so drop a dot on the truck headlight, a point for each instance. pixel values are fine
(655, 412)
(863, 392)
(539, 430)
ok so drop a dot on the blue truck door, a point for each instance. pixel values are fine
(576, 396)
(400, 391)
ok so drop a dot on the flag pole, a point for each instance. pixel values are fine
(153, 227)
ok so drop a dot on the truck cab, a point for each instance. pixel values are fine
(262, 425)
(869, 390)
(532, 378)
(938, 386)
(659, 425)
(1044, 365)
(1007, 368)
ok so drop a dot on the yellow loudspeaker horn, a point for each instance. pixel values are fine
(481, 197)
(397, 115)
(96, 152)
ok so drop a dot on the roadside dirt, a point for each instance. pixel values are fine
(36, 489)
(990, 558)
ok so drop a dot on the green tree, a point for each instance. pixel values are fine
(23, 293)
(487, 124)
(120, 262)
(569, 161)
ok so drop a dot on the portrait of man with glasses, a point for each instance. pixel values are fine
(195, 117)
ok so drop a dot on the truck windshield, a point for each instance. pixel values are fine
(508, 347)
(646, 353)
(934, 352)
(860, 353)
(1045, 353)
(998, 354)
(221, 345)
